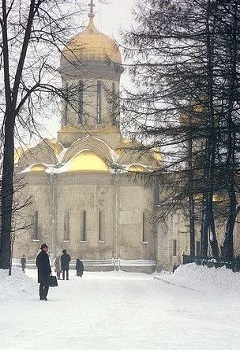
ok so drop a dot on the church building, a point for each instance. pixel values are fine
(81, 190)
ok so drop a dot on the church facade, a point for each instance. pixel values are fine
(82, 191)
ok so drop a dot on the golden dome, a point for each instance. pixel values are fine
(91, 45)
(126, 144)
(157, 155)
(217, 198)
(136, 168)
(57, 147)
(18, 153)
(88, 161)
(38, 168)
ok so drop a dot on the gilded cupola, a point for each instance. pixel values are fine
(90, 46)
(90, 67)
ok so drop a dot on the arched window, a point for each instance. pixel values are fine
(174, 248)
(100, 226)
(35, 226)
(114, 104)
(144, 231)
(83, 226)
(99, 102)
(80, 102)
(65, 113)
(66, 225)
(157, 194)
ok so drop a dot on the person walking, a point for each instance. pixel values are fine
(65, 260)
(44, 270)
(57, 264)
(23, 263)
(79, 267)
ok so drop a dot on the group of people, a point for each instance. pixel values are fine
(61, 264)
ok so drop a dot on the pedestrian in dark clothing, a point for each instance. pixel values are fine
(79, 267)
(44, 270)
(23, 263)
(65, 260)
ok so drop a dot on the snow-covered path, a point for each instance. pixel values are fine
(118, 311)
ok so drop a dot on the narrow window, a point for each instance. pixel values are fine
(144, 233)
(66, 103)
(35, 226)
(114, 110)
(156, 194)
(80, 102)
(66, 225)
(84, 226)
(100, 226)
(198, 246)
(99, 102)
(174, 247)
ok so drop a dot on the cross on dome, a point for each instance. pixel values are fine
(91, 5)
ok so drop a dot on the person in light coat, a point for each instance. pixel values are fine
(57, 266)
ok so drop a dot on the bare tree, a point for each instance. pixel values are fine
(32, 33)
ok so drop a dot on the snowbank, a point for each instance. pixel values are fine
(18, 284)
(202, 278)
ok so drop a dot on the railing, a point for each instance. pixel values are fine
(104, 265)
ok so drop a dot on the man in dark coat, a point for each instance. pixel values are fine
(65, 260)
(44, 270)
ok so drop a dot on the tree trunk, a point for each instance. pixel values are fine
(210, 152)
(212, 232)
(204, 228)
(232, 157)
(7, 190)
(228, 242)
(192, 225)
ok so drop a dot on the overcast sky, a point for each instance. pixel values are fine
(112, 16)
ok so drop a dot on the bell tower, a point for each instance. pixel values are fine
(90, 69)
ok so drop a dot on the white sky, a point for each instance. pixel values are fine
(195, 308)
(109, 18)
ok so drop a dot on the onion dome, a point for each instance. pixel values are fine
(90, 46)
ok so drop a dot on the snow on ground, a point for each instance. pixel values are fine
(195, 308)
(18, 285)
(201, 278)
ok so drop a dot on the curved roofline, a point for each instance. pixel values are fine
(90, 45)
